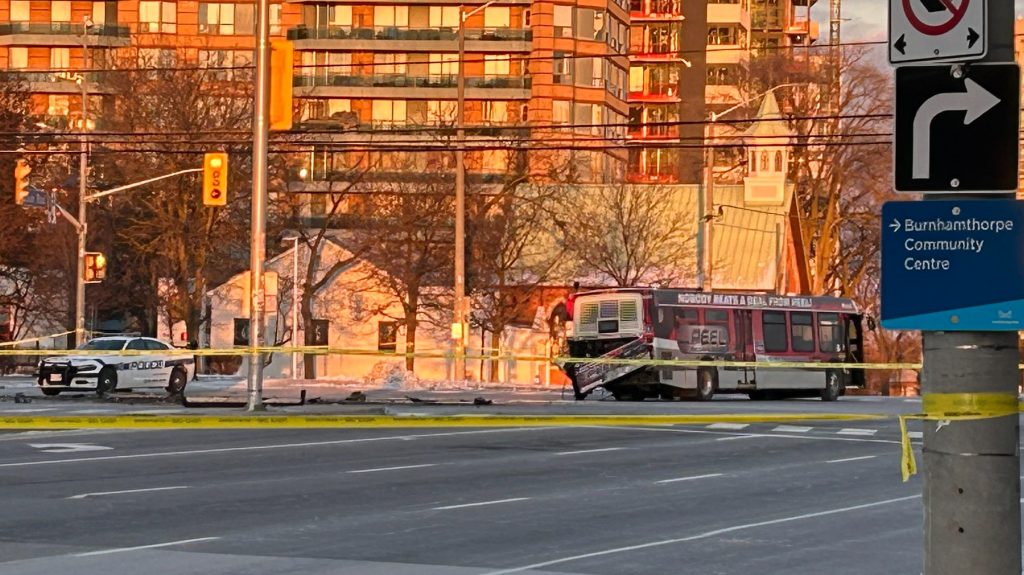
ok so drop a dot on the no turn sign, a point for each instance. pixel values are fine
(936, 30)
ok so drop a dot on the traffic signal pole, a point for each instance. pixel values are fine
(83, 176)
(971, 467)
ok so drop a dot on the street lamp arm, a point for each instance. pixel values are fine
(466, 15)
(142, 183)
(716, 116)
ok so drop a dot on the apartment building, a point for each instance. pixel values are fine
(547, 78)
(689, 60)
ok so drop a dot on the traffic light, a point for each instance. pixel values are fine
(21, 172)
(215, 179)
(282, 63)
(95, 267)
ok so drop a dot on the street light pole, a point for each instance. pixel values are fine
(459, 319)
(83, 174)
(257, 246)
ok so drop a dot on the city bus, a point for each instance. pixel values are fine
(649, 325)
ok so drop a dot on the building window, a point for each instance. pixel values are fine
(764, 161)
(158, 17)
(722, 35)
(443, 65)
(444, 17)
(228, 62)
(778, 162)
(391, 16)
(388, 64)
(275, 20)
(58, 105)
(217, 18)
(19, 10)
(561, 71)
(440, 112)
(563, 21)
(496, 64)
(60, 58)
(495, 112)
(388, 112)
(18, 57)
(387, 336)
(60, 11)
(589, 24)
(561, 110)
(774, 325)
(497, 17)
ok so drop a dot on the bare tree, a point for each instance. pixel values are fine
(164, 230)
(628, 235)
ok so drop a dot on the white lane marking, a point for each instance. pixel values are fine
(100, 493)
(772, 435)
(265, 447)
(705, 535)
(728, 426)
(737, 437)
(27, 409)
(851, 459)
(154, 546)
(691, 478)
(603, 449)
(915, 434)
(480, 503)
(392, 468)
(68, 447)
(856, 431)
(792, 429)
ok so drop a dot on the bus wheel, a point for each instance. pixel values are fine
(833, 386)
(705, 385)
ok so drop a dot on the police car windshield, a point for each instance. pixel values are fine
(104, 344)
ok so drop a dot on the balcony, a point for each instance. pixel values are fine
(729, 14)
(58, 83)
(404, 86)
(657, 131)
(657, 92)
(655, 10)
(61, 34)
(410, 39)
(800, 28)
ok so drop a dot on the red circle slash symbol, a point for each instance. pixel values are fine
(956, 14)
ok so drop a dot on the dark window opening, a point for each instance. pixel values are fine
(387, 336)
(774, 325)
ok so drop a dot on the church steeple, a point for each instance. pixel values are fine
(767, 140)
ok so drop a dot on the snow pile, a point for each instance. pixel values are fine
(391, 375)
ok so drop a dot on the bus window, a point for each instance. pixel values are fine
(830, 333)
(716, 316)
(802, 330)
(774, 325)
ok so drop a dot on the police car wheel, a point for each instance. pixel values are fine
(177, 382)
(106, 382)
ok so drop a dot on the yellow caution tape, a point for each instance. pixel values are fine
(954, 407)
(471, 357)
(396, 421)
(33, 340)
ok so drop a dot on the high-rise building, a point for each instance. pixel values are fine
(688, 60)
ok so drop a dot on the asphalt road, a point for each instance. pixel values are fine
(761, 499)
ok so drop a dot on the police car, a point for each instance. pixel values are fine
(150, 365)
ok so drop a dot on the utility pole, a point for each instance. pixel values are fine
(709, 208)
(459, 331)
(972, 467)
(83, 176)
(258, 239)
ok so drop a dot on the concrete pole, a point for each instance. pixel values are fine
(459, 317)
(971, 468)
(258, 240)
(709, 207)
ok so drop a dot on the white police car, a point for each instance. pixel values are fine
(151, 365)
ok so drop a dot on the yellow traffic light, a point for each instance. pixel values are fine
(21, 172)
(215, 179)
(282, 64)
(95, 267)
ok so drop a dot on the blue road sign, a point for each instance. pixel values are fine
(953, 265)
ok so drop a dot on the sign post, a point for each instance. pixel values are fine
(952, 268)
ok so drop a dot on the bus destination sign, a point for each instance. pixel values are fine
(953, 265)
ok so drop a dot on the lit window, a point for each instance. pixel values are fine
(19, 10)
(275, 20)
(443, 64)
(495, 112)
(217, 18)
(563, 21)
(389, 63)
(496, 65)
(18, 56)
(158, 16)
(60, 58)
(391, 16)
(560, 111)
(60, 11)
(99, 13)
(58, 105)
(497, 17)
(444, 16)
